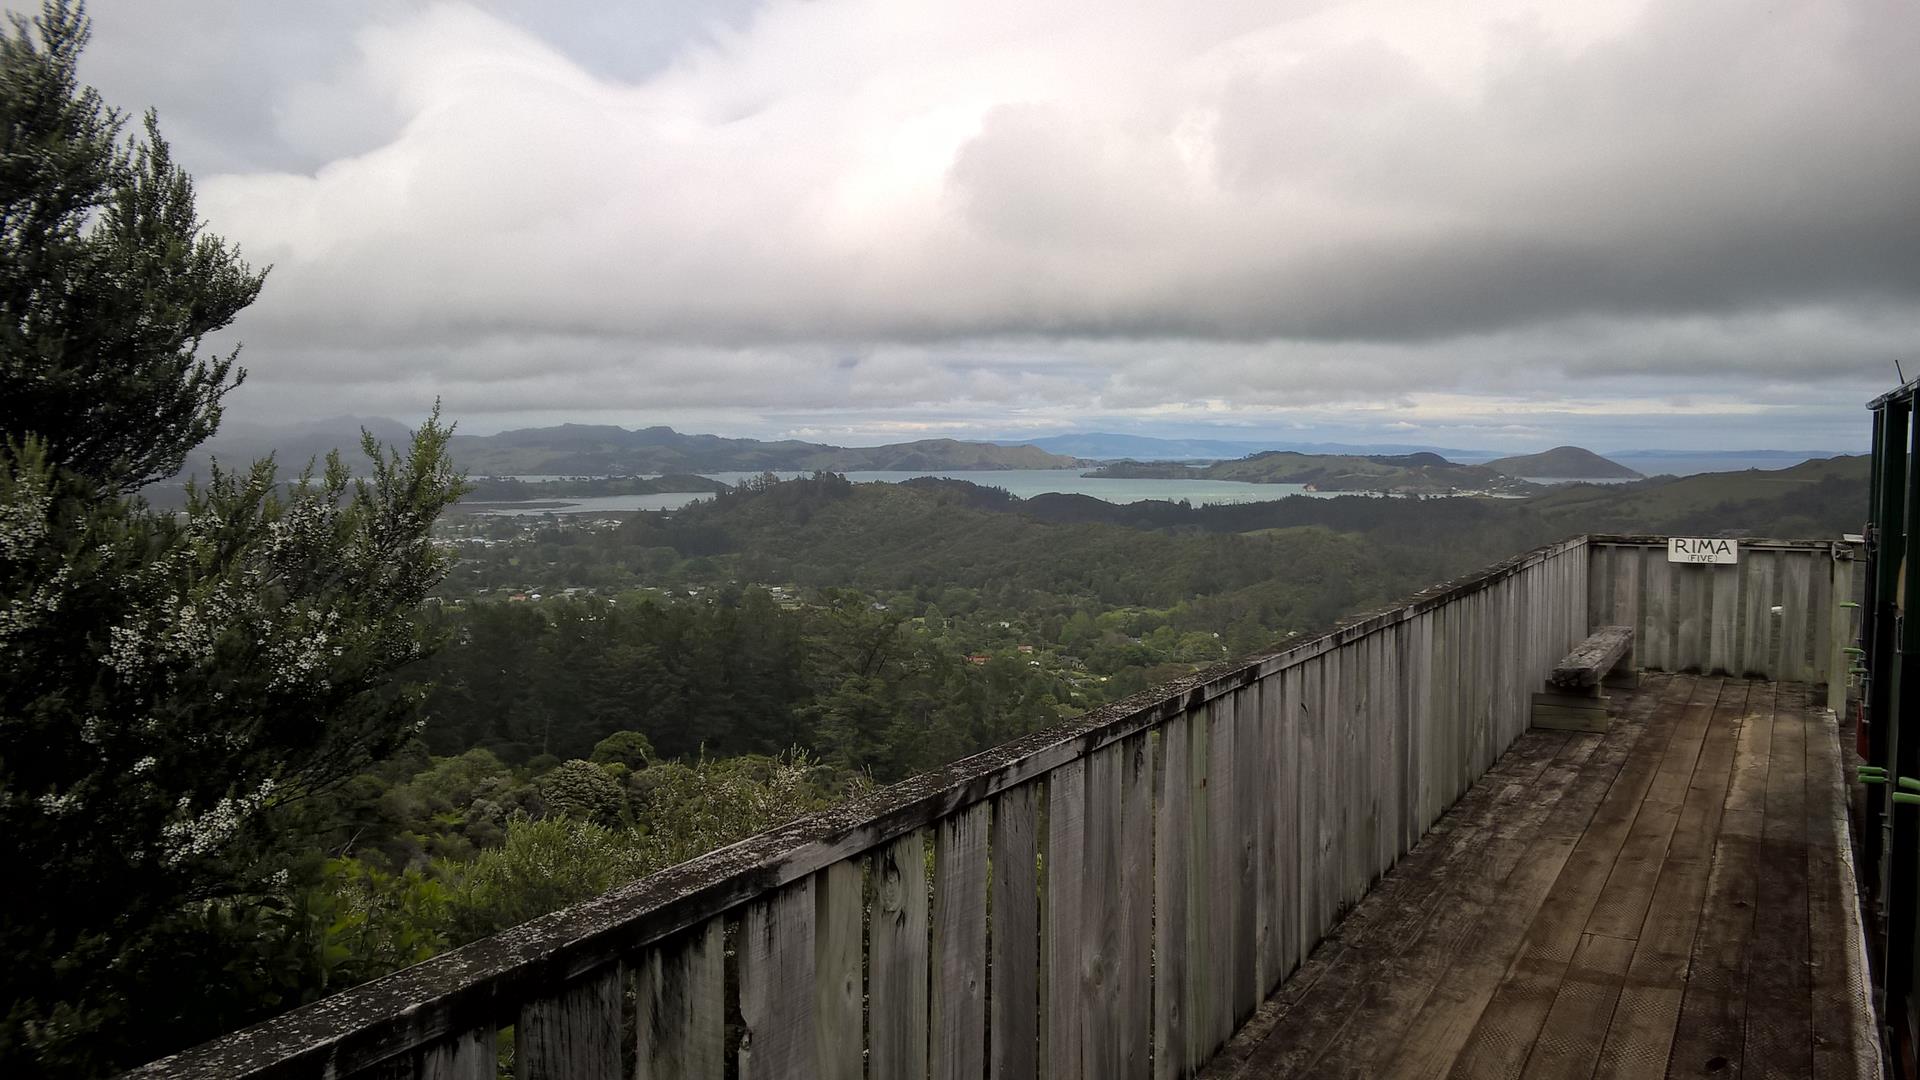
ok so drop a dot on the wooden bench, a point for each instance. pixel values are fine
(1573, 699)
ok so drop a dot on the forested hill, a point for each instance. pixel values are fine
(1406, 474)
(1563, 463)
(601, 450)
(1111, 598)
(827, 532)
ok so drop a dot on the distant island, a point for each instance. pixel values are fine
(1391, 474)
(1563, 463)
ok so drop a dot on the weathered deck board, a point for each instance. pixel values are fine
(1507, 1029)
(1644, 1017)
(1448, 886)
(1779, 1036)
(1347, 976)
(1667, 899)
(1577, 1024)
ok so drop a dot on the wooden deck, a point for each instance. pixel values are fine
(1673, 897)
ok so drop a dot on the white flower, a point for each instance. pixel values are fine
(23, 520)
(196, 836)
(62, 804)
(126, 652)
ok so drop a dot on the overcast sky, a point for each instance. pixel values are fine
(1498, 224)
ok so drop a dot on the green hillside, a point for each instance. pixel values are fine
(1821, 498)
(1563, 463)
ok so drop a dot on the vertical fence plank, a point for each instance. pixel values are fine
(777, 986)
(1014, 999)
(1840, 635)
(1627, 586)
(1172, 853)
(1099, 918)
(840, 989)
(1600, 595)
(1066, 836)
(1724, 637)
(960, 945)
(897, 971)
(1820, 610)
(1758, 655)
(1249, 787)
(1690, 638)
(1136, 906)
(1201, 963)
(471, 1055)
(1796, 574)
(679, 992)
(1430, 714)
(1656, 619)
(1334, 807)
(573, 1034)
(1273, 825)
(1420, 717)
(1223, 870)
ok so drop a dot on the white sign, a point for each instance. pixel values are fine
(1690, 550)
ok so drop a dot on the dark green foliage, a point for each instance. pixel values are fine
(583, 791)
(181, 690)
(107, 282)
(628, 749)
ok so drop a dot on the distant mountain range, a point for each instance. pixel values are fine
(604, 450)
(1108, 446)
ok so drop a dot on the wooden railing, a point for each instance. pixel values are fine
(1108, 899)
(1777, 613)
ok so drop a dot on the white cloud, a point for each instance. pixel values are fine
(1002, 208)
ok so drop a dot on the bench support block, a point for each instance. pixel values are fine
(1570, 712)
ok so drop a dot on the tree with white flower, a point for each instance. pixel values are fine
(175, 689)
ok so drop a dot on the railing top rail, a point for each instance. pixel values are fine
(480, 983)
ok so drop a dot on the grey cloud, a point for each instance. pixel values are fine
(1004, 208)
